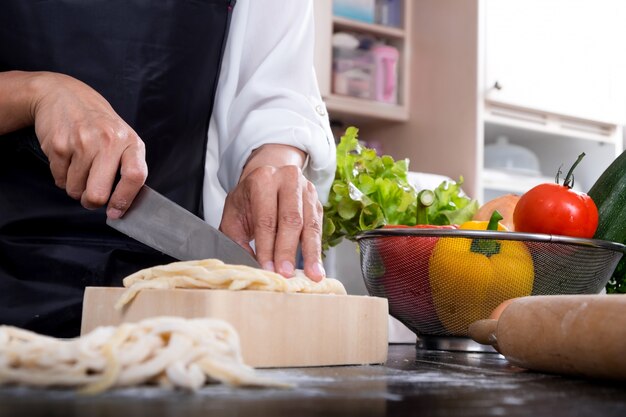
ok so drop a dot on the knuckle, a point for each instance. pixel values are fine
(291, 219)
(122, 132)
(267, 223)
(291, 172)
(107, 134)
(126, 135)
(141, 146)
(95, 198)
(58, 149)
(261, 175)
(310, 188)
(314, 225)
(60, 182)
(113, 136)
(88, 133)
(135, 174)
(84, 130)
(74, 193)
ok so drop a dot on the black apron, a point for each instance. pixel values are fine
(157, 63)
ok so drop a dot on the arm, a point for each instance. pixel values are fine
(268, 97)
(268, 90)
(16, 104)
(84, 139)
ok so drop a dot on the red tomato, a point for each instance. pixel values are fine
(557, 210)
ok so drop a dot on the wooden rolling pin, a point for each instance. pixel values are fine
(566, 334)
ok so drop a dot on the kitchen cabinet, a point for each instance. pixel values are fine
(355, 110)
(455, 110)
(558, 56)
(554, 151)
(554, 81)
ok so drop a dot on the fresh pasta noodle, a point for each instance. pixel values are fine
(215, 274)
(169, 351)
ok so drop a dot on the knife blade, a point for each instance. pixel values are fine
(158, 222)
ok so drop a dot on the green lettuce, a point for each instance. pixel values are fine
(451, 206)
(371, 191)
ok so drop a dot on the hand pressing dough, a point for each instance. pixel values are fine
(215, 274)
(169, 351)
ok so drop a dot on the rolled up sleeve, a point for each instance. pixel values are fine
(268, 93)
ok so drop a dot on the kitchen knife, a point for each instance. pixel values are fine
(160, 223)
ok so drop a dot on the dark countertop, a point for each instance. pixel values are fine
(420, 383)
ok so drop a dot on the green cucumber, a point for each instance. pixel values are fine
(609, 194)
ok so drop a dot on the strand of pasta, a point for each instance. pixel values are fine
(214, 274)
(172, 351)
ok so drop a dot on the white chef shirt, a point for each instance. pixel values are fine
(267, 93)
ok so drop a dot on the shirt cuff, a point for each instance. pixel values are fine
(281, 126)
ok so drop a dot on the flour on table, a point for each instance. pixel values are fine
(215, 274)
(168, 351)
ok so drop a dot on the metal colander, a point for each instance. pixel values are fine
(439, 281)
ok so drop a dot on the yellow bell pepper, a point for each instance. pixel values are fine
(471, 277)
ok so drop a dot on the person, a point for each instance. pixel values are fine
(213, 104)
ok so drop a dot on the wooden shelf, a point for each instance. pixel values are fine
(352, 110)
(371, 28)
(356, 108)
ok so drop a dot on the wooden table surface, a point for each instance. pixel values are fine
(412, 382)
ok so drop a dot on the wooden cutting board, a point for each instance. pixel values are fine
(276, 329)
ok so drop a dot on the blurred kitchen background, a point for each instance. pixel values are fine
(501, 92)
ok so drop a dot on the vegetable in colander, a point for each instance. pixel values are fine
(609, 194)
(370, 191)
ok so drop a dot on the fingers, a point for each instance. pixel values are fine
(77, 174)
(299, 221)
(133, 174)
(250, 214)
(87, 143)
(311, 237)
(85, 165)
(278, 209)
(264, 204)
(60, 159)
(234, 222)
(79, 166)
(290, 220)
(89, 173)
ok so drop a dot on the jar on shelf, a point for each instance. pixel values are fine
(365, 68)
(361, 10)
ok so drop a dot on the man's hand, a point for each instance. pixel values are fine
(84, 139)
(277, 207)
(86, 143)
